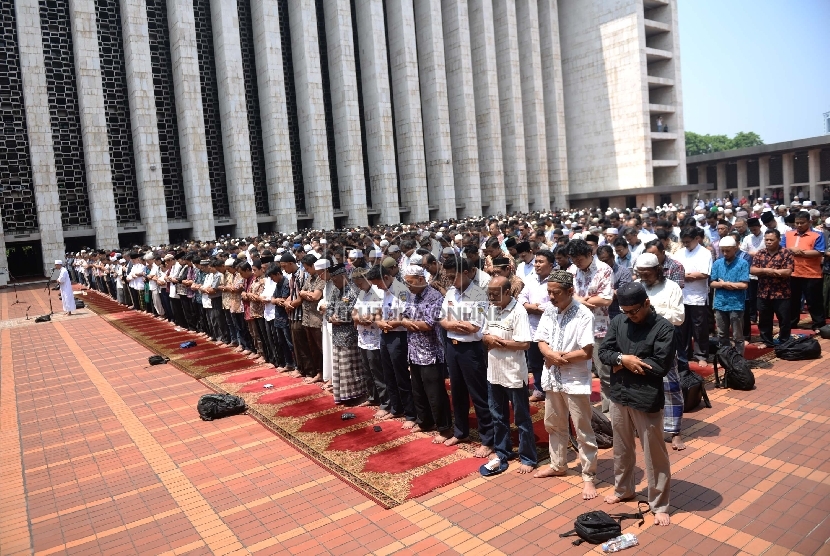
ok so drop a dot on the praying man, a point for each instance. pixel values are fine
(67, 297)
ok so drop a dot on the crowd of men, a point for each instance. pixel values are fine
(382, 316)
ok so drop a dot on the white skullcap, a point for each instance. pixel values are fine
(58, 262)
(647, 260)
(323, 241)
(728, 211)
(322, 264)
(727, 241)
(393, 249)
(229, 262)
(413, 270)
(355, 254)
(148, 257)
(416, 259)
(577, 236)
(614, 231)
(808, 203)
(448, 251)
(280, 250)
(700, 217)
(458, 237)
(122, 261)
(827, 222)
(384, 243)
(374, 254)
(439, 234)
(306, 247)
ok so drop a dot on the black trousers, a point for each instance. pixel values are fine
(302, 351)
(190, 316)
(263, 329)
(375, 384)
(750, 308)
(315, 349)
(178, 312)
(135, 297)
(467, 364)
(283, 347)
(766, 309)
(429, 395)
(811, 288)
(395, 360)
(696, 326)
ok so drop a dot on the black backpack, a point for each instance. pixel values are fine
(216, 406)
(602, 429)
(157, 360)
(598, 527)
(798, 348)
(737, 374)
(693, 390)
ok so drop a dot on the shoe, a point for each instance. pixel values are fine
(493, 467)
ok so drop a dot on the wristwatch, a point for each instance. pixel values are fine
(619, 358)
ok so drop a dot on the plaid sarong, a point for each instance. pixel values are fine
(347, 377)
(673, 411)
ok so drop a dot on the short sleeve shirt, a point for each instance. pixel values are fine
(567, 331)
(368, 302)
(698, 259)
(735, 271)
(468, 306)
(769, 287)
(507, 367)
(596, 280)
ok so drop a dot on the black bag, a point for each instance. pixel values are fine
(693, 390)
(44, 318)
(598, 527)
(157, 360)
(79, 303)
(216, 406)
(798, 349)
(737, 374)
(602, 429)
(824, 332)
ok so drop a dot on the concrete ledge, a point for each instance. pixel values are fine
(657, 55)
(655, 27)
(661, 108)
(663, 136)
(773, 148)
(641, 191)
(657, 82)
(664, 163)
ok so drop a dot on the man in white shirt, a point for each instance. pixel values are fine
(566, 340)
(525, 268)
(465, 308)
(697, 261)
(507, 336)
(369, 302)
(534, 298)
(135, 280)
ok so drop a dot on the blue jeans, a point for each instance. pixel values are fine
(500, 399)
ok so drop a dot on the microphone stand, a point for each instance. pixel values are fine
(14, 287)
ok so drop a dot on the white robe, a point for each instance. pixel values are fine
(67, 296)
(328, 346)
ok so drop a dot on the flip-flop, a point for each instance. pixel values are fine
(488, 469)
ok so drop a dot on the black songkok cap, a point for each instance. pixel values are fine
(767, 217)
(753, 222)
(523, 247)
(501, 261)
(630, 294)
(288, 258)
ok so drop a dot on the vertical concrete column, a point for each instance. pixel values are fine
(488, 120)
(814, 167)
(311, 115)
(409, 128)
(462, 106)
(533, 104)
(151, 203)
(39, 129)
(787, 166)
(236, 140)
(4, 263)
(554, 96)
(377, 110)
(346, 116)
(192, 144)
(272, 106)
(763, 175)
(742, 179)
(435, 109)
(93, 122)
(514, 162)
(721, 173)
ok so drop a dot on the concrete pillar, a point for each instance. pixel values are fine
(272, 107)
(190, 116)
(462, 105)
(787, 167)
(346, 117)
(763, 175)
(4, 263)
(311, 115)
(438, 147)
(509, 79)
(236, 139)
(533, 104)
(406, 96)
(39, 129)
(813, 162)
(93, 118)
(488, 121)
(721, 173)
(742, 179)
(554, 95)
(151, 202)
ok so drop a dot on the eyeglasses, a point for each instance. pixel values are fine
(634, 312)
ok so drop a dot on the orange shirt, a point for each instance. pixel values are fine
(805, 267)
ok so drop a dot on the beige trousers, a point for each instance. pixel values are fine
(649, 427)
(557, 406)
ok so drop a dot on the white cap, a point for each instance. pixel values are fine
(323, 241)
(322, 264)
(614, 231)
(355, 254)
(393, 249)
(374, 254)
(306, 247)
(413, 270)
(448, 251)
(727, 241)
(439, 234)
(416, 259)
(229, 262)
(647, 260)
(58, 262)
(458, 237)
(122, 261)
(384, 243)
(808, 203)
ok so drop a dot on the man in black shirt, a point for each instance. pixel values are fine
(639, 347)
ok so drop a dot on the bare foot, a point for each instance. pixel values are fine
(364, 404)
(381, 414)
(295, 374)
(452, 441)
(662, 518)
(614, 499)
(548, 471)
(259, 360)
(410, 425)
(589, 492)
(677, 443)
(442, 438)
(524, 469)
(313, 379)
(483, 451)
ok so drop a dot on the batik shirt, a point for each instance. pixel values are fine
(340, 304)
(311, 316)
(596, 280)
(769, 287)
(425, 347)
(235, 298)
(565, 332)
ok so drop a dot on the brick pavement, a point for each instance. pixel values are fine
(101, 453)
